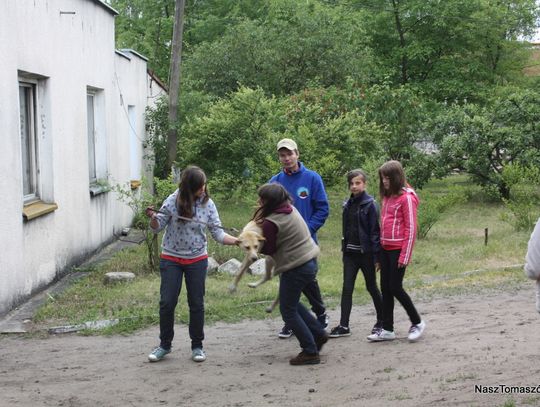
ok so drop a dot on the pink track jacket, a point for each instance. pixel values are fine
(398, 223)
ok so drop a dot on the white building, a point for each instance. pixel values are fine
(72, 122)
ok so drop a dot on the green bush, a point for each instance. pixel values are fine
(524, 202)
(433, 206)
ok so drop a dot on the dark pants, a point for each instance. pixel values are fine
(297, 317)
(312, 292)
(171, 284)
(352, 262)
(392, 286)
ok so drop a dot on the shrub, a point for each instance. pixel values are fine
(523, 203)
(433, 206)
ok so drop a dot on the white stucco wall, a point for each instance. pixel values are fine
(69, 44)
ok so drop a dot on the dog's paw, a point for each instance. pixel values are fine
(232, 288)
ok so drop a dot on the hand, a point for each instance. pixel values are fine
(401, 265)
(150, 211)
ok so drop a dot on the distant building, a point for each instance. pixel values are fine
(72, 112)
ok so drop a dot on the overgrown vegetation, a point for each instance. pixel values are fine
(438, 86)
(452, 259)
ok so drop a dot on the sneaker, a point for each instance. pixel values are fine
(538, 295)
(304, 358)
(382, 335)
(323, 319)
(416, 331)
(377, 327)
(198, 355)
(285, 332)
(340, 331)
(321, 340)
(157, 354)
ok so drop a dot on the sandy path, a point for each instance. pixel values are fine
(488, 339)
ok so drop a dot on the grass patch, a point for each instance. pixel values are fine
(453, 259)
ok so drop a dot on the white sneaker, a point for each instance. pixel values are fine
(538, 295)
(382, 335)
(198, 355)
(416, 331)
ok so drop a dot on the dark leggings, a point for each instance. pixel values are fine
(353, 262)
(392, 286)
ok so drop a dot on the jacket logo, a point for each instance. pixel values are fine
(302, 192)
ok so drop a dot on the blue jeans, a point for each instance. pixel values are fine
(171, 284)
(297, 317)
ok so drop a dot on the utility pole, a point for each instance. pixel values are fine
(174, 81)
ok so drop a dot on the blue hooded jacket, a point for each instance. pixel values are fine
(309, 196)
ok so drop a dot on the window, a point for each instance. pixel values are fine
(36, 146)
(97, 143)
(135, 147)
(91, 130)
(29, 141)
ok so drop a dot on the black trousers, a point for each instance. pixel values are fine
(392, 287)
(352, 262)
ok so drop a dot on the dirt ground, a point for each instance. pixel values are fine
(488, 339)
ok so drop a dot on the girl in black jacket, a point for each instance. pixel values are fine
(361, 246)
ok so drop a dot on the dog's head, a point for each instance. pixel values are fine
(251, 242)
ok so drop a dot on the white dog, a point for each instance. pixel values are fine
(251, 240)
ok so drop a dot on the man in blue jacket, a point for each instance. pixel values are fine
(309, 198)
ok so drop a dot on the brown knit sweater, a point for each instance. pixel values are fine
(294, 245)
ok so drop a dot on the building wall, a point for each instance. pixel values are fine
(68, 47)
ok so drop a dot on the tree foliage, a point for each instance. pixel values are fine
(355, 82)
(289, 47)
(483, 140)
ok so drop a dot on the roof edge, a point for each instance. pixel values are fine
(132, 51)
(106, 7)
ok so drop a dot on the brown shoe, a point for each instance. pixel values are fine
(304, 358)
(321, 340)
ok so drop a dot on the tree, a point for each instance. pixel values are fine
(483, 140)
(290, 47)
(174, 83)
(147, 27)
(449, 48)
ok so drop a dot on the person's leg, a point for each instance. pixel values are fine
(290, 287)
(396, 287)
(195, 275)
(386, 257)
(370, 276)
(171, 284)
(350, 271)
(538, 295)
(312, 291)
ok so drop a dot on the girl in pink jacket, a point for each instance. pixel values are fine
(398, 234)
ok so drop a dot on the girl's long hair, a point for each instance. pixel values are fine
(272, 196)
(394, 171)
(192, 180)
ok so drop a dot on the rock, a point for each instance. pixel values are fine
(258, 268)
(213, 266)
(230, 267)
(118, 276)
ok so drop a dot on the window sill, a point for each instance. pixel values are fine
(98, 189)
(135, 184)
(37, 209)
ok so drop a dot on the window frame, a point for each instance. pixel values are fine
(29, 141)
